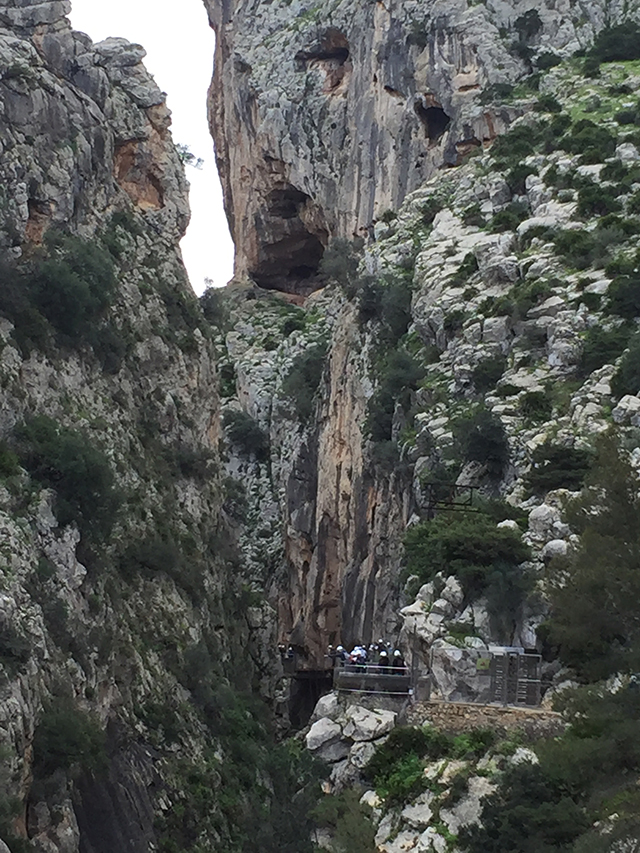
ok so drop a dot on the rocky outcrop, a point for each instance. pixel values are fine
(325, 117)
(115, 551)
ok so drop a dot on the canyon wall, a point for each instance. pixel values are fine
(326, 116)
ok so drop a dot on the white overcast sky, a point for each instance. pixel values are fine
(179, 45)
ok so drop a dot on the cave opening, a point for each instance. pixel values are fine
(433, 118)
(332, 46)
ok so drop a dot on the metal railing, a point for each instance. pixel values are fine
(371, 678)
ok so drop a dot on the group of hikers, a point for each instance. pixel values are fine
(381, 655)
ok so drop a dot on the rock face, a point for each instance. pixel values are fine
(111, 572)
(326, 117)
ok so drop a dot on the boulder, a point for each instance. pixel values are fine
(627, 410)
(400, 843)
(627, 152)
(522, 755)
(454, 673)
(543, 520)
(431, 842)
(468, 810)
(419, 813)
(322, 733)
(453, 592)
(555, 548)
(361, 753)
(365, 725)
(328, 707)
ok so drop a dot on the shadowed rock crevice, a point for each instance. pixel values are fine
(292, 243)
(330, 53)
(432, 116)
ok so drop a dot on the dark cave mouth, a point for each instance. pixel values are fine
(432, 117)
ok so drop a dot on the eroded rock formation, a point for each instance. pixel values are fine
(326, 117)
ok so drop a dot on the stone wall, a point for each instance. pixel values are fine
(457, 717)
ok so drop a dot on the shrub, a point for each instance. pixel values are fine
(576, 247)
(496, 93)
(348, 820)
(398, 377)
(602, 346)
(67, 461)
(467, 268)
(340, 262)
(536, 406)
(514, 145)
(548, 104)
(617, 43)
(397, 766)
(67, 738)
(509, 218)
(73, 286)
(303, 380)
(624, 296)
(468, 545)
(528, 25)
(214, 307)
(530, 811)
(548, 60)
(295, 322)
(487, 373)
(557, 467)
(9, 462)
(516, 178)
(247, 435)
(626, 380)
(593, 141)
(596, 200)
(482, 438)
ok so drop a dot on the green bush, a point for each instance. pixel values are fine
(514, 145)
(399, 375)
(626, 380)
(617, 43)
(602, 346)
(593, 141)
(535, 406)
(597, 200)
(467, 268)
(73, 286)
(468, 545)
(509, 218)
(548, 60)
(66, 738)
(481, 438)
(531, 811)
(496, 93)
(303, 380)
(214, 307)
(397, 766)
(340, 262)
(624, 296)
(548, 104)
(516, 178)
(487, 373)
(557, 467)
(9, 462)
(67, 461)
(246, 434)
(348, 820)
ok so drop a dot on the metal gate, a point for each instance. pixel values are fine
(515, 678)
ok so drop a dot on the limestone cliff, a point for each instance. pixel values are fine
(464, 315)
(120, 592)
(326, 116)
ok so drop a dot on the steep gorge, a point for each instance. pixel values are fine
(184, 486)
